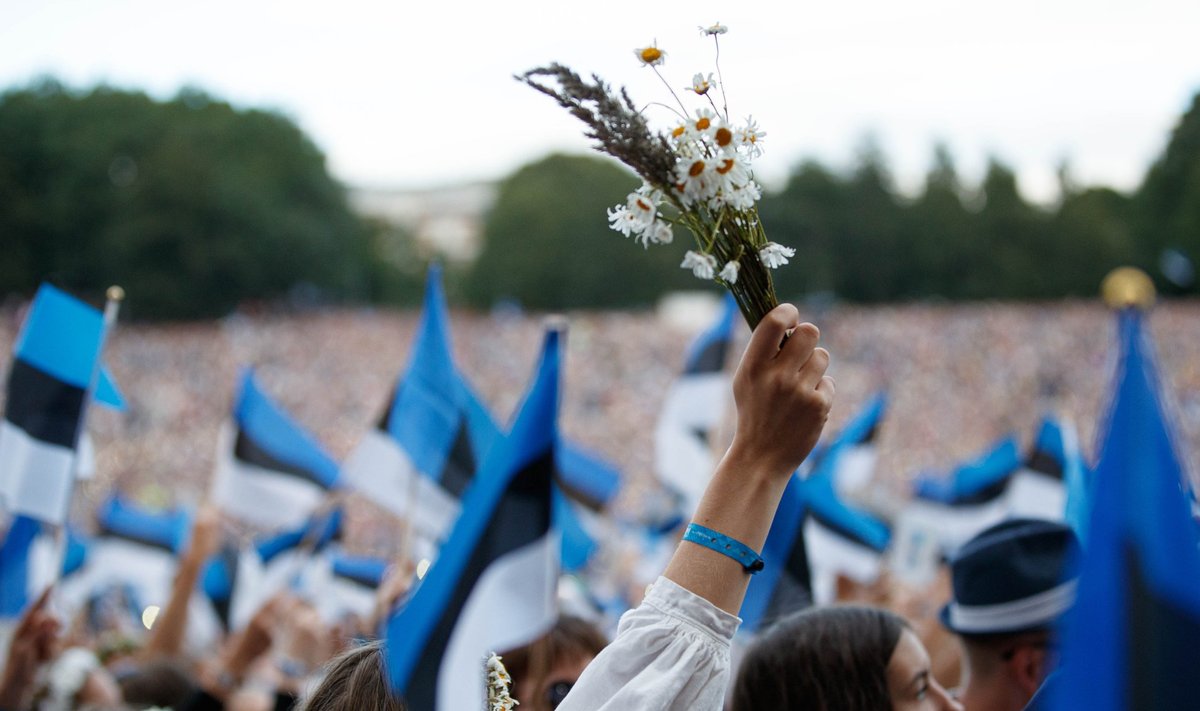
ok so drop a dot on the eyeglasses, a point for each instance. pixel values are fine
(558, 692)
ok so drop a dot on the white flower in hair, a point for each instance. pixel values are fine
(498, 682)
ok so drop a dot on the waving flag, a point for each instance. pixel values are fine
(422, 455)
(273, 474)
(27, 558)
(493, 586)
(692, 411)
(55, 363)
(954, 508)
(1131, 640)
(1037, 489)
(136, 547)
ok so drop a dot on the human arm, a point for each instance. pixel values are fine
(32, 646)
(167, 635)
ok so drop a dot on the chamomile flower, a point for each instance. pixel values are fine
(620, 219)
(696, 180)
(650, 56)
(775, 255)
(703, 266)
(659, 233)
(732, 171)
(643, 210)
(729, 273)
(714, 29)
(704, 124)
(702, 84)
(743, 197)
(749, 136)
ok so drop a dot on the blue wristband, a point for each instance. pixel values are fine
(751, 562)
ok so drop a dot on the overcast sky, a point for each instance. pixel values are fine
(417, 94)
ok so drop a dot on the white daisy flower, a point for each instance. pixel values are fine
(714, 29)
(643, 210)
(743, 197)
(659, 233)
(703, 266)
(622, 220)
(729, 273)
(749, 136)
(732, 171)
(704, 123)
(697, 179)
(775, 255)
(650, 56)
(701, 84)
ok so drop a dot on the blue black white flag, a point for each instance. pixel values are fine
(692, 411)
(137, 548)
(1131, 641)
(54, 364)
(27, 558)
(493, 586)
(270, 472)
(423, 453)
(1038, 489)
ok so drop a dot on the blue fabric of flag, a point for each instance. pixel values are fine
(533, 434)
(62, 337)
(427, 411)
(587, 473)
(578, 546)
(785, 528)
(161, 529)
(14, 566)
(271, 429)
(973, 479)
(320, 530)
(1133, 638)
(362, 569)
(707, 353)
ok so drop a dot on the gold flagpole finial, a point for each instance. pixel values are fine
(115, 293)
(1128, 286)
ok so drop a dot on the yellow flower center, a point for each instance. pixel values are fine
(726, 166)
(696, 169)
(650, 55)
(678, 131)
(703, 124)
(724, 137)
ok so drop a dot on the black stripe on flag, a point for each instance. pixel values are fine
(794, 590)
(385, 420)
(46, 408)
(521, 517)
(711, 359)
(841, 531)
(1162, 655)
(987, 494)
(121, 536)
(1043, 462)
(247, 450)
(460, 462)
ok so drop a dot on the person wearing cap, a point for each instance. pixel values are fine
(1011, 584)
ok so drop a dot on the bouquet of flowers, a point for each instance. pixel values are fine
(498, 682)
(697, 175)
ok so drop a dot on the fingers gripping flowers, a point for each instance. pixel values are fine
(698, 176)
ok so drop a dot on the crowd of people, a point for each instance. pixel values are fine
(958, 377)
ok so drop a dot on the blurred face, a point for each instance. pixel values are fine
(550, 691)
(910, 682)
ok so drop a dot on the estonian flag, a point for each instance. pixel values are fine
(273, 474)
(53, 366)
(427, 445)
(952, 509)
(814, 536)
(493, 586)
(1132, 641)
(692, 411)
(343, 585)
(27, 557)
(1038, 489)
(586, 484)
(136, 548)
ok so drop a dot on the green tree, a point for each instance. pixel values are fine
(547, 243)
(1167, 206)
(191, 204)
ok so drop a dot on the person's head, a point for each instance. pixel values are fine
(1011, 584)
(544, 672)
(842, 658)
(355, 679)
(164, 684)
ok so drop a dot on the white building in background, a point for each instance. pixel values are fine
(445, 221)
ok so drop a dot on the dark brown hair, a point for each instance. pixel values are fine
(570, 638)
(821, 659)
(355, 681)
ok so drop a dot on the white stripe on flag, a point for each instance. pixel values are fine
(831, 554)
(35, 477)
(855, 468)
(381, 470)
(1035, 495)
(149, 570)
(685, 462)
(260, 496)
(953, 525)
(512, 604)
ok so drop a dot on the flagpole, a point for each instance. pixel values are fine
(112, 306)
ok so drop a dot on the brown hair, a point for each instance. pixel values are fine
(821, 659)
(569, 638)
(355, 681)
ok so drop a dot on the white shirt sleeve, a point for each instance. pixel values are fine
(671, 654)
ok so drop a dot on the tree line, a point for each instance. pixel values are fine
(196, 207)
